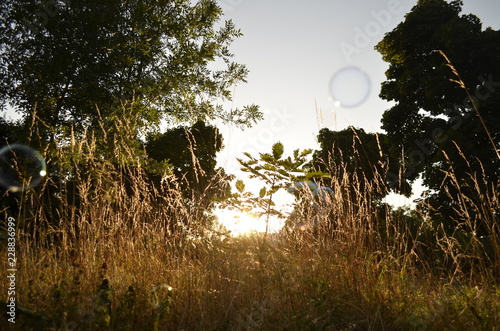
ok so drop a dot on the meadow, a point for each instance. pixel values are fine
(112, 251)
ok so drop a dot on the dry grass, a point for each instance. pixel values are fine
(363, 268)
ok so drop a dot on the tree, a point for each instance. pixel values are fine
(437, 59)
(79, 62)
(360, 156)
(190, 152)
(7, 131)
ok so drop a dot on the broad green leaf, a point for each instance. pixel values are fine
(240, 186)
(278, 150)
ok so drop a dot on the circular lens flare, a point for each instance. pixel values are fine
(349, 87)
(21, 167)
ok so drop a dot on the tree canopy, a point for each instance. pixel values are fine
(79, 63)
(359, 154)
(435, 56)
(191, 154)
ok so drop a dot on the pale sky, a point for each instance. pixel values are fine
(293, 48)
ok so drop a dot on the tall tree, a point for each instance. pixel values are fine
(79, 63)
(437, 59)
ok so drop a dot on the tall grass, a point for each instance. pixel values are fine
(110, 250)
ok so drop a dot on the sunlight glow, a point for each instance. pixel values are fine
(242, 223)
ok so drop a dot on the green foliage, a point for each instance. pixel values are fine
(190, 153)
(276, 172)
(102, 306)
(278, 150)
(84, 62)
(433, 121)
(240, 186)
(8, 131)
(361, 155)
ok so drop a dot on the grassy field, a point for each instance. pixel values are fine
(112, 252)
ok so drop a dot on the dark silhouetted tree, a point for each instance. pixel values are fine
(191, 154)
(360, 156)
(433, 121)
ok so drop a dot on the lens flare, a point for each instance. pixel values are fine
(349, 87)
(21, 167)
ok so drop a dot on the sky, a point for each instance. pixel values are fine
(294, 49)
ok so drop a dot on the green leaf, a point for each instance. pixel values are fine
(318, 174)
(262, 192)
(306, 152)
(278, 150)
(269, 167)
(284, 173)
(274, 189)
(240, 186)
